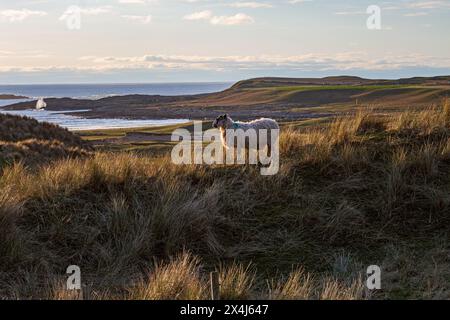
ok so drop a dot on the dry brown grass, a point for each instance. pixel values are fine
(298, 286)
(184, 278)
(24, 139)
(15, 129)
(362, 184)
(177, 280)
(236, 282)
(334, 290)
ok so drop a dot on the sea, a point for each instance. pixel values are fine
(98, 91)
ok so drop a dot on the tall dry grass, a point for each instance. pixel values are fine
(184, 278)
(25, 139)
(177, 280)
(363, 184)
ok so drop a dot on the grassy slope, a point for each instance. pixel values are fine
(313, 96)
(25, 139)
(369, 189)
(336, 90)
(337, 80)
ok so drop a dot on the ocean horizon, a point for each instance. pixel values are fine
(98, 91)
(101, 90)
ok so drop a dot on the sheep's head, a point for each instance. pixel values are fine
(222, 122)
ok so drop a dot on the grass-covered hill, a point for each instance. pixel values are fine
(25, 139)
(270, 82)
(344, 90)
(355, 191)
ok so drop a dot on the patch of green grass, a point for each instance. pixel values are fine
(297, 124)
(102, 134)
(339, 87)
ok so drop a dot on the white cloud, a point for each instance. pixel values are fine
(19, 15)
(299, 1)
(90, 11)
(94, 11)
(237, 19)
(430, 4)
(316, 62)
(343, 63)
(73, 14)
(201, 15)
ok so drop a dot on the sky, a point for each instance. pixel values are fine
(136, 41)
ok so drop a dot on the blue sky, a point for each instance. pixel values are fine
(74, 41)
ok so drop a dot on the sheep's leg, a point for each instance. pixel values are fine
(268, 153)
(268, 150)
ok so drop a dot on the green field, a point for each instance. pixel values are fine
(335, 87)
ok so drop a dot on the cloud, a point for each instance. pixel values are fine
(298, 1)
(237, 19)
(166, 68)
(90, 11)
(307, 62)
(429, 4)
(201, 15)
(94, 11)
(20, 15)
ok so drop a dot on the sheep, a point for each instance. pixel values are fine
(225, 123)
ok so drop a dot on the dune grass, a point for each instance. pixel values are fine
(25, 139)
(362, 190)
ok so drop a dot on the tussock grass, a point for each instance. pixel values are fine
(25, 139)
(334, 290)
(236, 282)
(177, 280)
(16, 128)
(361, 184)
(298, 286)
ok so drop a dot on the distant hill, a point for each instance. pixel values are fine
(339, 80)
(27, 140)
